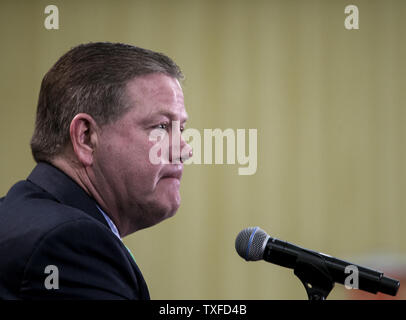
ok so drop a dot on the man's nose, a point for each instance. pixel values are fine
(187, 151)
(179, 150)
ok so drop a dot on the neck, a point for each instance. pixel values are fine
(83, 177)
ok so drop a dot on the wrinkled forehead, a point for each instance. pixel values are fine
(157, 88)
(156, 95)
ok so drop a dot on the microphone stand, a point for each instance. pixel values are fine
(314, 276)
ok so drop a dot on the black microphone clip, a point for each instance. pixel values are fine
(315, 276)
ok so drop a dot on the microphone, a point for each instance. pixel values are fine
(254, 244)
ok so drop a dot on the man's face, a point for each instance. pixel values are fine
(141, 192)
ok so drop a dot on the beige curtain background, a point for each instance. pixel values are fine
(328, 104)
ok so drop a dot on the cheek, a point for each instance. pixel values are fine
(138, 167)
(127, 158)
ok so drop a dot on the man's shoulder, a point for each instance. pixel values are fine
(37, 230)
(89, 260)
(28, 215)
(28, 207)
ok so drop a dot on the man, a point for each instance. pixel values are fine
(61, 229)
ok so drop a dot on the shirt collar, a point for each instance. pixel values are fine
(110, 223)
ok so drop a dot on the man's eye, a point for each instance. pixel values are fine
(163, 126)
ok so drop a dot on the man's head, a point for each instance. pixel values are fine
(97, 108)
(90, 78)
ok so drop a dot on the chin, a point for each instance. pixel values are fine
(159, 213)
(170, 213)
(170, 203)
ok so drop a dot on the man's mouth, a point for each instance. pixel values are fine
(173, 171)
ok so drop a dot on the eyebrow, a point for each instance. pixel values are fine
(171, 115)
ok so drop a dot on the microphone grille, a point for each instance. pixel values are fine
(250, 243)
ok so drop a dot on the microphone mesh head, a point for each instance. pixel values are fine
(250, 243)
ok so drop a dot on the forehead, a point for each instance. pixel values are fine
(155, 92)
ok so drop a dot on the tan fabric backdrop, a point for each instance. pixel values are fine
(328, 104)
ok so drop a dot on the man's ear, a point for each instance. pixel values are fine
(84, 137)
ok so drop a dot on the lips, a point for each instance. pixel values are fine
(173, 171)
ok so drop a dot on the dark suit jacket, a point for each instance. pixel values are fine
(48, 220)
